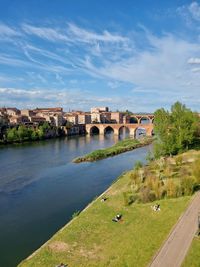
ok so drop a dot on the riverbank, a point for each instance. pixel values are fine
(118, 148)
(93, 239)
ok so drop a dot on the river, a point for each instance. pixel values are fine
(40, 188)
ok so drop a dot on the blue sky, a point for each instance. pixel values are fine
(136, 55)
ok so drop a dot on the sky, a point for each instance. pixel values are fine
(136, 55)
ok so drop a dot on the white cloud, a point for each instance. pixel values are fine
(195, 70)
(84, 35)
(72, 34)
(45, 33)
(194, 9)
(193, 60)
(163, 63)
(6, 31)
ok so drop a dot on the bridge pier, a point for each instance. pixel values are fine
(116, 131)
(132, 132)
(101, 130)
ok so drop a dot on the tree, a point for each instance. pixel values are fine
(175, 130)
(12, 134)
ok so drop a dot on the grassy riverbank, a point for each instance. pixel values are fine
(93, 239)
(118, 148)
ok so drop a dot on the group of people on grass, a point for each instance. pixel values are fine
(117, 218)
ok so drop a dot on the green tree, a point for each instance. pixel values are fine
(12, 134)
(175, 130)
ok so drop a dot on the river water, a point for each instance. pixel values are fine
(40, 188)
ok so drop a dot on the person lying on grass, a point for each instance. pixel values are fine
(117, 218)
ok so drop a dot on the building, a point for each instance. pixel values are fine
(2, 111)
(37, 119)
(28, 112)
(95, 117)
(101, 117)
(117, 117)
(57, 120)
(19, 119)
(126, 119)
(12, 111)
(71, 117)
(48, 110)
(84, 118)
(99, 109)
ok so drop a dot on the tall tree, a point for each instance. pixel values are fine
(175, 130)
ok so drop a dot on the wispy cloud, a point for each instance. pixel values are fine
(163, 63)
(6, 31)
(83, 35)
(45, 33)
(72, 33)
(194, 9)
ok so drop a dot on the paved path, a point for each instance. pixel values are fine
(175, 248)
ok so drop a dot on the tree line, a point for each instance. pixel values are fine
(23, 133)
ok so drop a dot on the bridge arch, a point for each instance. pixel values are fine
(108, 129)
(124, 131)
(140, 132)
(145, 120)
(94, 130)
(134, 120)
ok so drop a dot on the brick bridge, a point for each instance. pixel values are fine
(102, 128)
(139, 117)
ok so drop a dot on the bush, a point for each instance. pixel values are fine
(138, 165)
(179, 160)
(196, 170)
(75, 214)
(146, 194)
(129, 198)
(171, 188)
(187, 185)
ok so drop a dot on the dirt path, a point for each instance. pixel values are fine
(175, 248)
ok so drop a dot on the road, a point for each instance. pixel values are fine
(175, 248)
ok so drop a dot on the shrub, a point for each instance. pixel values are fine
(75, 214)
(129, 198)
(138, 165)
(146, 194)
(196, 170)
(179, 160)
(187, 185)
(170, 188)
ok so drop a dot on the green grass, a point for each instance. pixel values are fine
(92, 239)
(193, 257)
(119, 147)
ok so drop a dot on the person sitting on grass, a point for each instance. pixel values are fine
(117, 218)
(156, 207)
(104, 199)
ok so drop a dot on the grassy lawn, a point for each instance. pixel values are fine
(92, 239)
(119, 147)
(193, 257)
